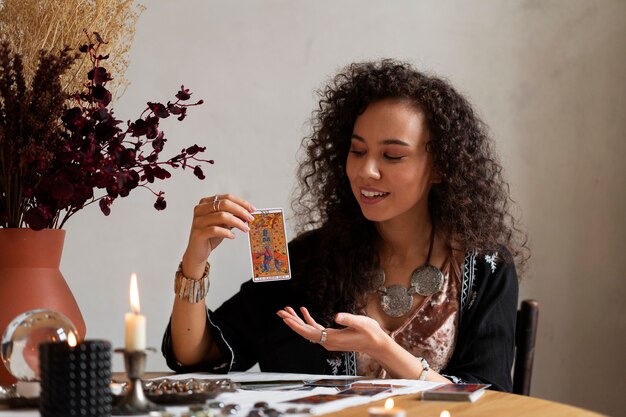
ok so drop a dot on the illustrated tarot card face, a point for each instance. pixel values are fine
(268, 246)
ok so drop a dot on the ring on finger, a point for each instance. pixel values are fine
(323, 337)
(216, 204)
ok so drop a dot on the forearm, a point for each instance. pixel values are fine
(213, 220)
(401, 364)
(191, 336)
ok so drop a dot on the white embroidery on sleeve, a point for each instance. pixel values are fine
(491, 260)
(334, 363)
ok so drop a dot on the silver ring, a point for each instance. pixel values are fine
(323, 337)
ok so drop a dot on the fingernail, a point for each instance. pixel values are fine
(252, 208)
(339, 316)
(246, 228)
(250, 217)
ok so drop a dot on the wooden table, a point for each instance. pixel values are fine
(492, 404)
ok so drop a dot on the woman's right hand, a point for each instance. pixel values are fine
(213, 219)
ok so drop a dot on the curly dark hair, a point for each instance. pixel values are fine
(470, 207)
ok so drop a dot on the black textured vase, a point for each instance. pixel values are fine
(75, 380)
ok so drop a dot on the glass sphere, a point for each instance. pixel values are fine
(22, 337)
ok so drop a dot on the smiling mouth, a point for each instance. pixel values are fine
(373, 194)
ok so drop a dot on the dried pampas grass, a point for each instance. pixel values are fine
(32, 25)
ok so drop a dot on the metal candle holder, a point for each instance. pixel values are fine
(135, 401)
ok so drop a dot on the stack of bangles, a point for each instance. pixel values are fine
(189, 289)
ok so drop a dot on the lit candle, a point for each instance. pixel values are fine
(135, 322)
(75, 377)
(71, 339)
(387, 411)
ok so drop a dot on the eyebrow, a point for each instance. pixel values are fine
(390, 141)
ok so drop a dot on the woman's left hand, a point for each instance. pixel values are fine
(361, 333)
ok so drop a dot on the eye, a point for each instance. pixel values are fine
(393, 157)
(357, 152)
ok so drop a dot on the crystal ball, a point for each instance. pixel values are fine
(22, 337)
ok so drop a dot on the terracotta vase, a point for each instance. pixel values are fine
(30, 278)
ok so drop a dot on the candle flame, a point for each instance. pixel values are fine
(445, 413)
(389, 404)
(134, 294)
(71, 339)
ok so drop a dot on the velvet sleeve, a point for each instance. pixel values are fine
(486, 340)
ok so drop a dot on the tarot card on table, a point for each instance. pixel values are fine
(366, 389)
(318, 399)
(337, 383)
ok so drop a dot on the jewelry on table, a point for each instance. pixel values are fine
(396, 300)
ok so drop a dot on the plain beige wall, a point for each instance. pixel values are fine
(547, 76)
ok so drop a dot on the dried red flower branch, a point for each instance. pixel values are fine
(54, 157)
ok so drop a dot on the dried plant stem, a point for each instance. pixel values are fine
(32, 25)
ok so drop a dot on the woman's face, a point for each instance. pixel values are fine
(389, 170)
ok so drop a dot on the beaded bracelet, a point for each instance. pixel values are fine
(192, 290)
(425, 369)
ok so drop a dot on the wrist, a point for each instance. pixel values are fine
(192, 267)
(190, 289)
(382, 349)
(425, 368)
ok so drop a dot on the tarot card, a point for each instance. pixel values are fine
(459, 388)
(338, 383)
(317, 399)
(455, 392)
(268, 246)
(365, 389)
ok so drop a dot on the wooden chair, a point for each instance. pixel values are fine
(525, 336)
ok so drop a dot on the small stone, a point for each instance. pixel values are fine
(256, 412)
(272, 412)
(230, 409)
(196, 407)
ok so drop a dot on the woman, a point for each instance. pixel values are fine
(404, 266)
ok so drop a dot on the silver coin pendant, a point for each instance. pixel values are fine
(396, 301)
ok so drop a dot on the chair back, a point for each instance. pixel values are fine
(525, 336)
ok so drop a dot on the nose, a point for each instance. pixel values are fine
(369, 169)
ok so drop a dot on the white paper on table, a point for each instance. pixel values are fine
(278, 398)
(256, 376)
